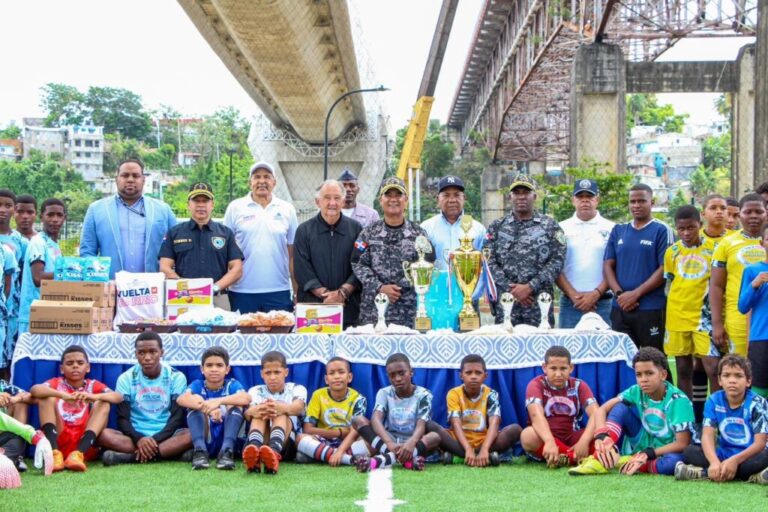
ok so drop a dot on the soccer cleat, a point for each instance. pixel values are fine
(200, 460)
(271, 460)
(608, 458)
(623, 461)
(251, 459)
(58, 461)
(363, 464)
(589, 466)
(562, 461)
(446, 458)
(685, 471)
(760, 478)
(493, 459)
(187, 455)
(112, 458)
(226, 460)
(20, 464)
(415, 464)
(75, 461)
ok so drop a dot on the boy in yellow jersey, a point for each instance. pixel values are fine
(732, 254)
(474, 415)
(328, 434)
(687, 266)
(714, 210)
(732, 219)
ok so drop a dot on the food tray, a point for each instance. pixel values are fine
(206, 329)
(268, 329)
(131, 328)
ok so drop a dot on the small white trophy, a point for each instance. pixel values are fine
(381, 301)
(545, 302)
(507, 303)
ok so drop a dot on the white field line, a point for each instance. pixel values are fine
(380, 492)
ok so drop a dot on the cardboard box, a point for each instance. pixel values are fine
(172, 311)
(62, 317)
(102, 294)
(106, 316)
(189, 292)
(319, 318)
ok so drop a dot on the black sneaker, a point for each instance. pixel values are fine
(493, 458)
(112, 458)
(226, 460)
(446, 458)
(21, 466)
(363, 464)
(187, 455)
(200, 459)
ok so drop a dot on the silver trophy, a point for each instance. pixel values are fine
(507, 303)
(545, 302)
(419, 274)
(381, 301)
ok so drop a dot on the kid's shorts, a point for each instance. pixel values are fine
(687, 343)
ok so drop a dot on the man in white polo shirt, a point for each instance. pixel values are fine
(586, 233)
(264, 228)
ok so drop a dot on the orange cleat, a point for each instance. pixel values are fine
(251, 458)
(270, 458)
(58, 461)
(75, 462)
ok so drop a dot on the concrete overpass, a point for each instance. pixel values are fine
(295, 58)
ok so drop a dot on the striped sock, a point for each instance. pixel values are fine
(384, 460)
(318, 450)
(276, 439)
(256, 437)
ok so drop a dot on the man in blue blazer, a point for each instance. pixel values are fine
(128, 227)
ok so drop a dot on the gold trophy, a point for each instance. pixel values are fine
(467, 265)
(419, 274)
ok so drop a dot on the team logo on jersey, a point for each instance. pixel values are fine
(655, 422)
(473, 420)
(560, 406)
(218, 242)
(605, 234)
(152, 399)
(71, 412)
(335, 417)
(402, 418)
(750, 254)
(692, 266)
(735, 431)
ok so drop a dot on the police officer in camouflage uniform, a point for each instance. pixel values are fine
(379, 252)
(527, 252)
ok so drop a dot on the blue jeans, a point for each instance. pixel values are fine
(570, 316)
(255, 302)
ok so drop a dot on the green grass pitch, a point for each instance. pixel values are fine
(520, 485)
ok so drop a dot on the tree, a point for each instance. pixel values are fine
(64, 103)
(644, 110)
(676, 202)
(614, 200)
(716, 151)
(10, 132)
(118, 111)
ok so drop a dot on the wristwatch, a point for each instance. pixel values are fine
(619, 292)
(216, 289)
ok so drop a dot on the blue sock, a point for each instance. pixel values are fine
(232, 422)
(196, 422)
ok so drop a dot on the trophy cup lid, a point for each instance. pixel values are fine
(466, 240)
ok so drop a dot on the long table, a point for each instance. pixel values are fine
(602, 359)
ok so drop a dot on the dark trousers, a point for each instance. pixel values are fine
(265, 302)
(693, 454)
(646, 328)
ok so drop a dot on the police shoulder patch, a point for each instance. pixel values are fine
(218, 242)
(560, 237)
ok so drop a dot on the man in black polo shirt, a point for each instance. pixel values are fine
(202, 247)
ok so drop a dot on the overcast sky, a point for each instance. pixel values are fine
(152, 48)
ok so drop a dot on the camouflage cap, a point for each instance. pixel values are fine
(522, 180)
(393, 183)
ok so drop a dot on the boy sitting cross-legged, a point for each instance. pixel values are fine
(555, 403)
(14, 402)
(738, 415)
(215, 404)
(73, 410)
(397, 430)
(273, 415)
(474, 414)
(328, 435)
(644, 429)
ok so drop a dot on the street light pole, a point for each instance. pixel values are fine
(328, 118)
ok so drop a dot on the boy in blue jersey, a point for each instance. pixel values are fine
(735, 430)
(753, 299)
(40, 257)
(215, 415)
(11, 244)
(398, 429)
(151, 424)
(646, 428)
(328, 434)
(634, 270)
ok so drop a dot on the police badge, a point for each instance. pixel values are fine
(218, 242)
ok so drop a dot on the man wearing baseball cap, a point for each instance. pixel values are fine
(380, 250)
(586, 235)
(444, 231)
(527, 250)
(264, 228)
(202, 247)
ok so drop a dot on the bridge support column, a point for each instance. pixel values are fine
(761, 95)
(743, 116)
(598, 106)
(493, 192)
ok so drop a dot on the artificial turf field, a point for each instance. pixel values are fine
(519, 485)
